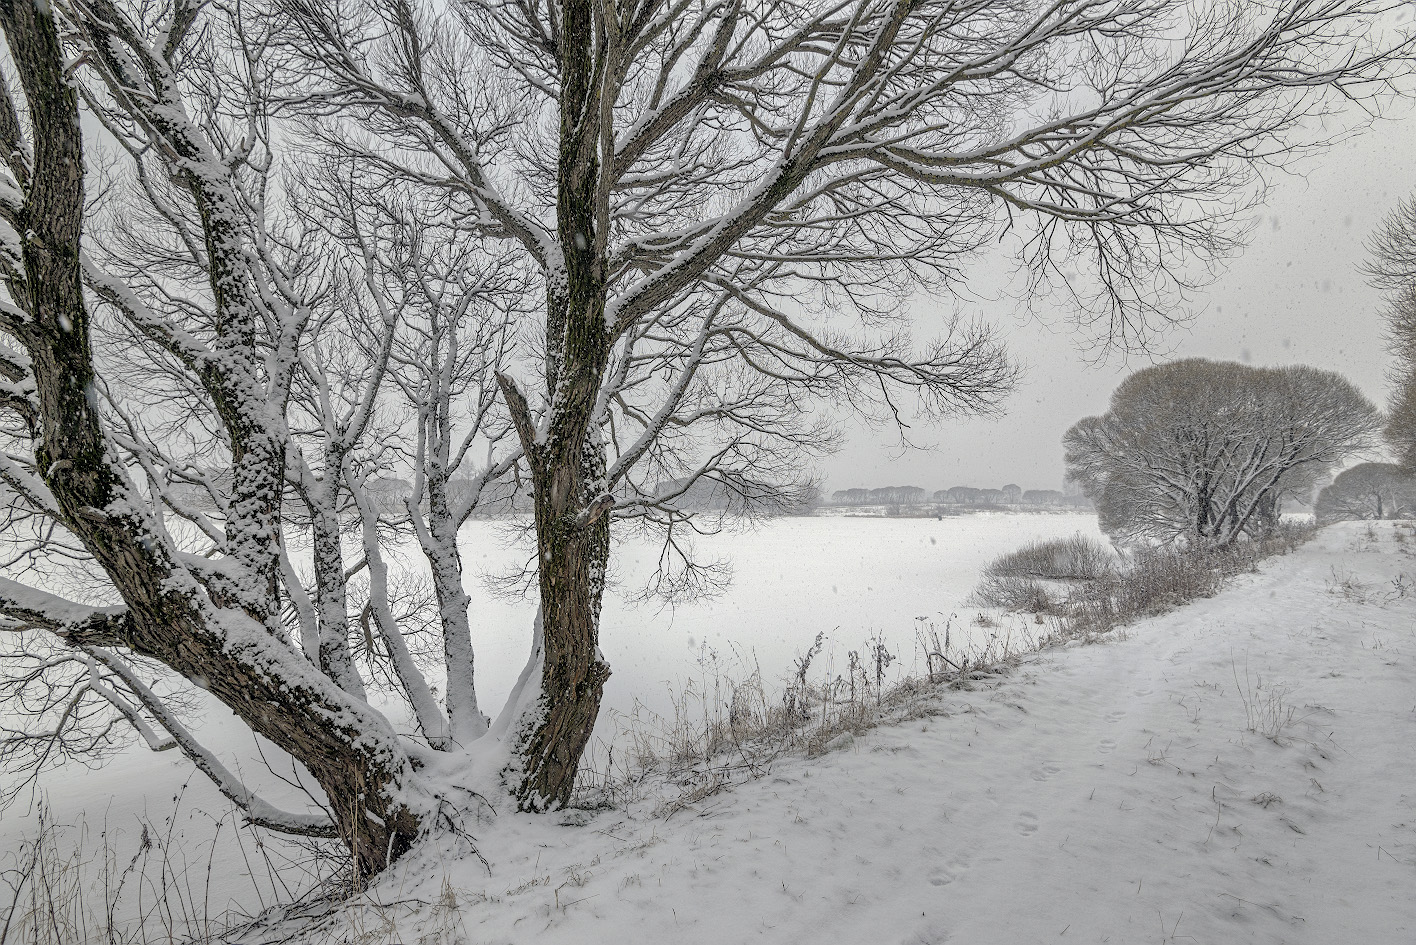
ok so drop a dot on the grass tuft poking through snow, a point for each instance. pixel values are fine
(1267, 711)
(729, 725)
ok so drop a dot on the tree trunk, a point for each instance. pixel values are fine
(332, 605)
(465, 719)
(573, 673)
(350, 750)
(568, 463)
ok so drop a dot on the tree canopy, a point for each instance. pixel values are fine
(1203, 451)
(1393, 269)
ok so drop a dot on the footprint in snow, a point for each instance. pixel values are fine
(949, 872)
(1106, 746)
(1047, 770)
(1027, 823)
(926, 933)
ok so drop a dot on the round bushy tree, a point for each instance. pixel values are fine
(1203, 451)
(1368, 491)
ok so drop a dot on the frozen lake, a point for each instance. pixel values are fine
(849, 577)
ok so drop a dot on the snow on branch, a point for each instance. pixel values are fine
(25, 607)
(258, 811)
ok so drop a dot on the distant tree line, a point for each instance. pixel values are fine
(1368, 491)
(914, 496)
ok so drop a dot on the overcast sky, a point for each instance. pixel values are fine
(1294, 296)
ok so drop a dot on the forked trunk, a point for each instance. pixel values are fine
(221, 642)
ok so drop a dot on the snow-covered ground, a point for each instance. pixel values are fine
(793, 578)
(851, 578)
(1241, 770)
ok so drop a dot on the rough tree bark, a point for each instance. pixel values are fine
(568, 462)
(169, 615)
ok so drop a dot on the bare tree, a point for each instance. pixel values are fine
(216, 620)
(224, 376)
(755, 187)
(425, 318)
(1393, 269)
(1368, 491)
(1203, 452)
(725, 208)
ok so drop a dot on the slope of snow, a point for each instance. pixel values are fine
(794, 578)
(1241, 770)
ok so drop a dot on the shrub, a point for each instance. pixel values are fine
(1091, 590)
(1038, 577)
(1156, 580)
(1078, 558)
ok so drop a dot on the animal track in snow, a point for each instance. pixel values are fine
(1027, 823)
(1106, 746)
(949, 872)
(1047, 770)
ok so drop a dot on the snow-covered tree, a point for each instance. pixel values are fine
(209, 605)
(259, 352)
(723, 209)
(1393, 269)
(1203, 451)
(1368, 491)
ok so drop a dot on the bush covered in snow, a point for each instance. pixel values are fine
(1089, 589)
(1037, 577)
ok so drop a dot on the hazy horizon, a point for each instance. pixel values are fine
(1294, 295)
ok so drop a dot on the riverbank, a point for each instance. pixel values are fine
(1238, 770)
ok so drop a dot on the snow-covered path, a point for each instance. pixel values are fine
(1122, 793)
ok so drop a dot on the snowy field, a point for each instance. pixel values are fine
(1241, 770)
(851, 578)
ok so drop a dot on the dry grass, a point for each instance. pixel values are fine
(67, 885)
(1267, 711)
(1149, 582)
(730, 726)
